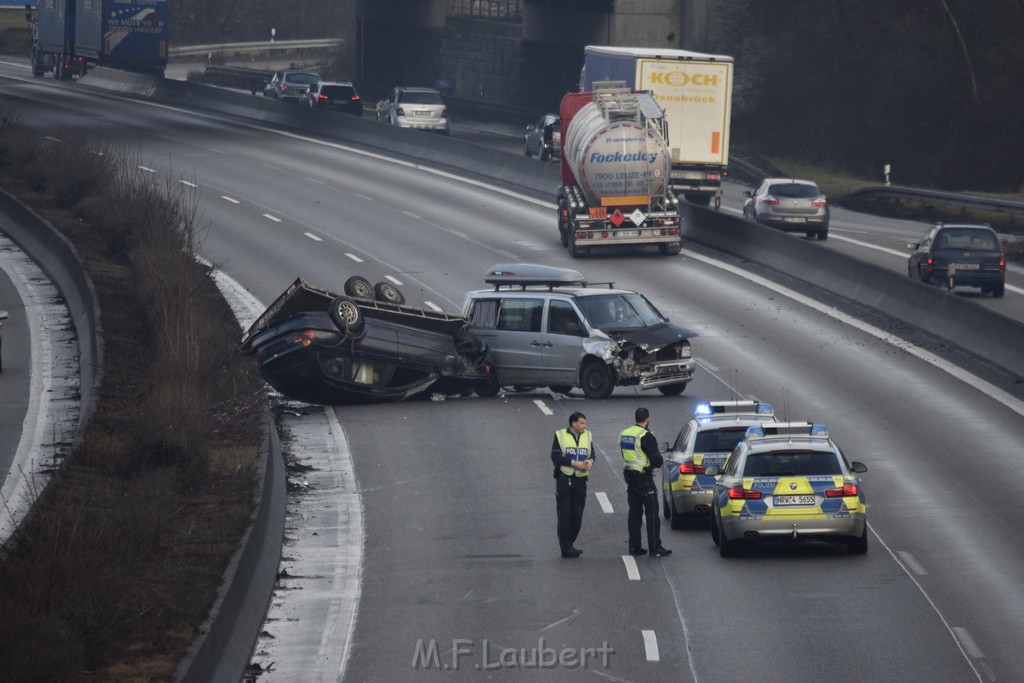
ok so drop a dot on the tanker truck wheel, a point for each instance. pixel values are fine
(575, 251)
(670, 249)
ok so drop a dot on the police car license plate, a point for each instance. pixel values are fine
(794, 500)
(968, 266)
(628, 233)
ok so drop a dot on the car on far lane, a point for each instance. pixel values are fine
(421, 108)
(544, 138)
(289, 85)
(788, 482)
(337, 95)
(960, 255)
(789, 204)
(706, 440)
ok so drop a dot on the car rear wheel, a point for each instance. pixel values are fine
(678, 520)
(714, 529)
(597, 381)
(726, 548)
(345, 314)
(575, 251)
(670, 249)
(858, 546)
(487, 387)
(664, 506)
(999, 290)
(358, 287)
(544, 154)
(823, 234)
(388, 293)
(672, 389)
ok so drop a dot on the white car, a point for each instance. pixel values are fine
(421, 108)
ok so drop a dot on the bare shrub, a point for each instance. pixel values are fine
(75, 171)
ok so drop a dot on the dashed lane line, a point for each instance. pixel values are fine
(313, 237)
(606, 505)
(393, 279)
(632, 571)
(273, 218)
(354, 257)
(229, 199)
(543, 408)
(651, 645)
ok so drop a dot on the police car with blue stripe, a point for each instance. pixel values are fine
(705, 441)
(788, 482)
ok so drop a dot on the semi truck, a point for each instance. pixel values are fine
(615, 170)
(69, 36)
(695, 89)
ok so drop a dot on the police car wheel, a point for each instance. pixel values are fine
(664, 506)
(678, 520)
(858, 546)
(726, 548)
(359, 287)
(714, 529)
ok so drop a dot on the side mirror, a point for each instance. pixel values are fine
(663, 446)
(713, 471)
(748, 193)
(858, 467)
(913, 245)
(529, 128)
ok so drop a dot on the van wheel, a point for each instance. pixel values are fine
(597, 381)
(387, 292)
(672, 389)
(359, 287)
(345, 314)
(858, 546)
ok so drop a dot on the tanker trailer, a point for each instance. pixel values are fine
(615, 172)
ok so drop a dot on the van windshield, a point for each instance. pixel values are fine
(619, 311)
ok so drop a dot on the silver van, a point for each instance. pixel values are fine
(547, 326)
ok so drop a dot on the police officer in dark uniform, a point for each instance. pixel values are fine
(640, 457)
(572, 453)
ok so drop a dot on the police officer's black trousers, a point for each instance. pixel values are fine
(642, 495)
(570, 498)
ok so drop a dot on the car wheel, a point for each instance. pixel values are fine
(544, 155)
(345, 314)
(677, 519)
(563, 229)
(858, 546)
(670, 249)
(726, 548)
(562, 389)
(358, 287)
(999, 290)
(487, 387)
(823, 234)
(388, 293)
(672, 389)
(597, 380)
(810, 234)
(714, 529)
(526, 149)
(664, 505)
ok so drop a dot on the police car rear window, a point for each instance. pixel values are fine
(719, 440)
(791, 464)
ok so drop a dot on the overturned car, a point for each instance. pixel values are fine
(365, 345)
(547, 326)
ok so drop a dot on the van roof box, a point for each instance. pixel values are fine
(523, 274)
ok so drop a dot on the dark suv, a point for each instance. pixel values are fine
(955, 255)
(340, 96)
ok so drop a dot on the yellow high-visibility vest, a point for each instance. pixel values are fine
(633, 456)
(577, 451)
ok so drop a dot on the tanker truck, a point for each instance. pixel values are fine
(615, 172)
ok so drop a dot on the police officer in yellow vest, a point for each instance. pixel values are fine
(640, 457)
(572, 453)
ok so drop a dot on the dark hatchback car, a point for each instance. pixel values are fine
(544, 138)
(319, 347)
(960, 255)
(339, 96)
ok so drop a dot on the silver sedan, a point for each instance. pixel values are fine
(789, 204)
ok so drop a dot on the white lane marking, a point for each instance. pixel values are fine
(574, 614)
(393, 279)
(52, 139)
(968, 642)
(651, 645)
(632, 571)
(412, 215)
(543, 408)
(147, 169)
(185, 182)
(606, 505)
(216, 151)
(270, 166)
(935, 608)
(97, 153)
(312, 237)
(273, 218)
(229, 199)
(709, 366)
(363, 196)
(432, 306)
(990, 390)
(315, 180)
(354, 257)
(912, 563)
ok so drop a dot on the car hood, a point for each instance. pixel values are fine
(650, 338)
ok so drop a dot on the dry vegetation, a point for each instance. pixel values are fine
(110, 578)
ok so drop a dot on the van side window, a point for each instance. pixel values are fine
(520, 315)
(484, 314)
(562, 319)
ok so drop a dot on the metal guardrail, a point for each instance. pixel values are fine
(960, 200)
(257, 46)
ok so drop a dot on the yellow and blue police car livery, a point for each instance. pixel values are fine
(789, 482)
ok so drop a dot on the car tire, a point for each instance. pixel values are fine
(715, 538)
(823, 234)
(670, 249)
(575, 251)
(677, 520)
(597, 380)
(998, 290)
(358, 287)
(526, 149)
(726, 548)
(388, 293)
(562, 389)
(858, 546)
(664, 505)
(672, 389)
(345, 314)
(544, 155)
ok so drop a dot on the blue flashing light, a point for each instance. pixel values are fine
(763, 408)
(818, 429)
(754, 431)
(702, 409)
